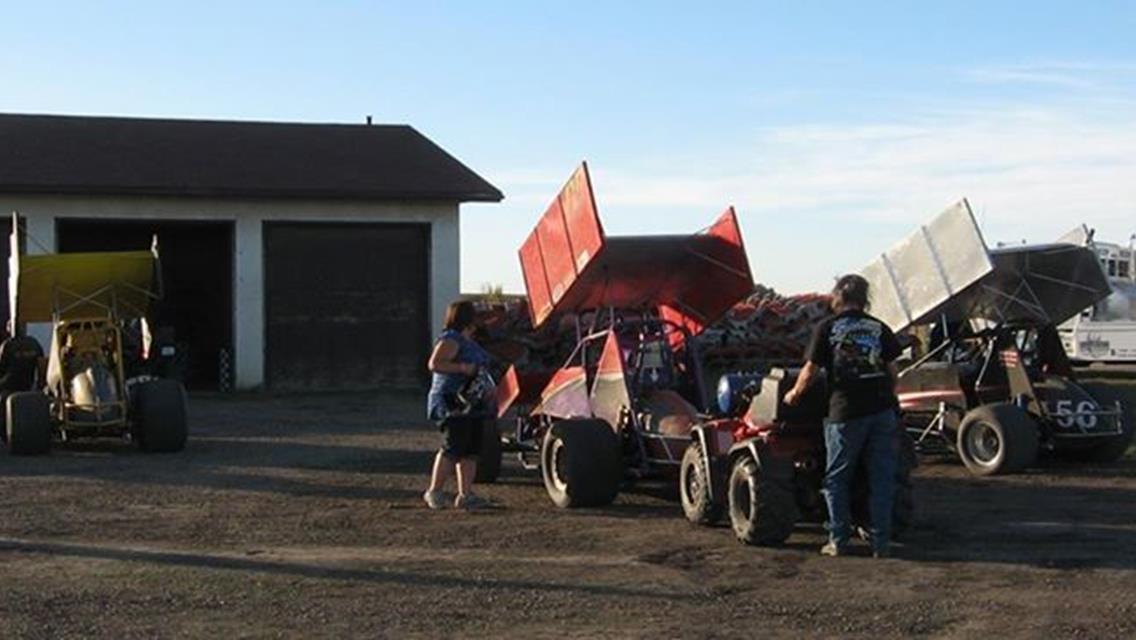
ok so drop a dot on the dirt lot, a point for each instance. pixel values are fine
(301, 517)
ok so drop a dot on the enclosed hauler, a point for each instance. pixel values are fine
(1105, 331)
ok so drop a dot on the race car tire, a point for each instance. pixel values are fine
(997, 439)
(28, 423)
(580, 463)
(160, 422)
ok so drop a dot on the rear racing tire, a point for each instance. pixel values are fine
(489, 457)
(160, 424)
(694, 488)
(763, 509)
(28, 423)
(1109, 448)
(997, 439)
(580, 463)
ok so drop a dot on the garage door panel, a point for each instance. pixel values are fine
(346, 305)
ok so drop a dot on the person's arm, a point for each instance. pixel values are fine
(442, 359)
(806, 377)
(891, 351)
(816, 354)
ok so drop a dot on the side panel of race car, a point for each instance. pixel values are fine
(609, 391)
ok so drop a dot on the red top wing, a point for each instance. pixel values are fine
(565, 240)
(570, 266)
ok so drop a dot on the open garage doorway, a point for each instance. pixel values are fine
(5, 252)
(197, 274)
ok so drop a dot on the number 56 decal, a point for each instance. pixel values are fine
(1067, 417)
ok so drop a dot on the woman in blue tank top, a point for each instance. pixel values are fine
(455, 360)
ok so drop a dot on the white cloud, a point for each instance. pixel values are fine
(1065, 75)
(1031, 171)
(1022, 165)
(1042, 76)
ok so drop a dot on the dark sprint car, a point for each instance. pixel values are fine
(995, 386)
(1000, 396)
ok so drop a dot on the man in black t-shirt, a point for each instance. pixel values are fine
(858, 353)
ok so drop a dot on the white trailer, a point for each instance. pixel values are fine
(1106, 331)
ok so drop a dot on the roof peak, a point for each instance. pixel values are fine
(81, 154)
(196, 120)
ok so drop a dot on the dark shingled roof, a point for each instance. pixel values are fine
(98, 155)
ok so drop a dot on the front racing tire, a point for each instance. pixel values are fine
(160, 423)
(580, 463)
(28, 423)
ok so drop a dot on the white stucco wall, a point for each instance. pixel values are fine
(40, 213)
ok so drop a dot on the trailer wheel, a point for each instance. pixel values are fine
(903, 505)
(997, 438)
(580, 463)
(763, 510)
(1112, 448)
(699, 506)
(159, 416)
(28, 423)
(489, 457)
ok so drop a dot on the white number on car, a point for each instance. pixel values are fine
(1082, 417)
(1086, 420)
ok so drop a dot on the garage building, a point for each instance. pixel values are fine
(295, 256)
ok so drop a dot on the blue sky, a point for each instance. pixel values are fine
(834, 128)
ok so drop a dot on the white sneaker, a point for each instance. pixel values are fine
(435, 499)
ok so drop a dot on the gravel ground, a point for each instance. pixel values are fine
(301, 517)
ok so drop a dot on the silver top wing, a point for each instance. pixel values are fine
(944, 270)
(912, 282)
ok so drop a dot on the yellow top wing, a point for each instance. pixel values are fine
(77, 285)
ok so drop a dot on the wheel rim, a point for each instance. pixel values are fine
(691, 484)
(558, 466)
(983, 443)
(741, 495)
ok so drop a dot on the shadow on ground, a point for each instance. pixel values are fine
(304, 570)
(1054, 518)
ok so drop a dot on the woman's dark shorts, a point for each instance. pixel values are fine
(461, 436)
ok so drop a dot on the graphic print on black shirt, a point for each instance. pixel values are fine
(855, 349)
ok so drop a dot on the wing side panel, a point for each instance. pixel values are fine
(567, 239)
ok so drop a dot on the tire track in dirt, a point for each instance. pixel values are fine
(416, 566)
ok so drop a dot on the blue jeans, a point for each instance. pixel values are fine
(876, 437)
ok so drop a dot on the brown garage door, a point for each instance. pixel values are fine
(346, 305)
